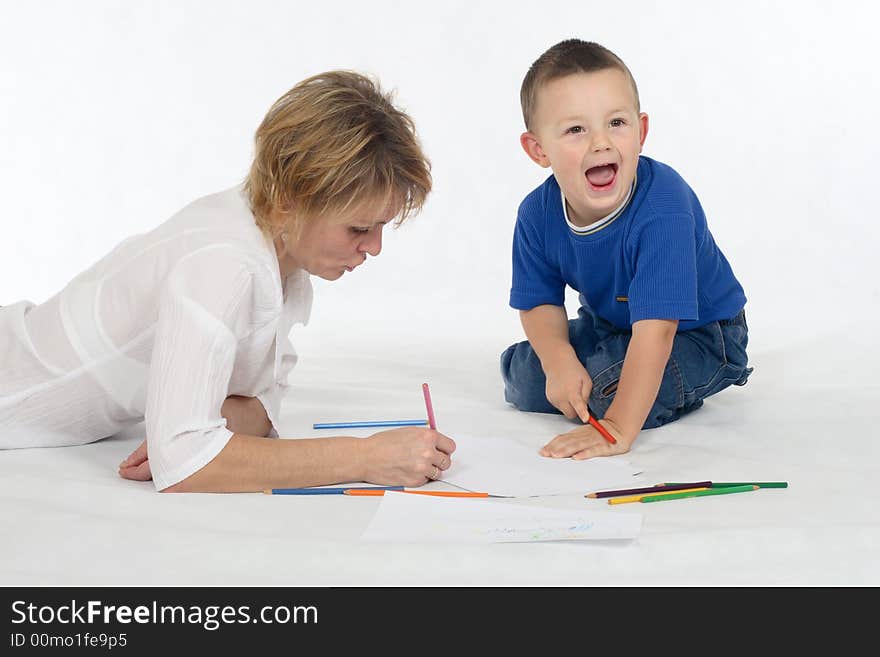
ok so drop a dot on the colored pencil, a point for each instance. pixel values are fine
(626, 499)
(698, 493)
(649, 489)
(380, 423)
(602, 430)
(429, 407)
(759, 484)
(324, 491)
(367, 492)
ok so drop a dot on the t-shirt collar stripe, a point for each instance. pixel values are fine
(602, 223)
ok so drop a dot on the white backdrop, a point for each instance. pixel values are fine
(114, 115)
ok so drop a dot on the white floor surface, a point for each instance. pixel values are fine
(67, 519)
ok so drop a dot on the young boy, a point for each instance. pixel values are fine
(661, 324)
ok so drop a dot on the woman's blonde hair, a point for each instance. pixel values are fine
(332, 142)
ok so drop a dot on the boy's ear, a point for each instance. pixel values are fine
(643, 129)
(533, 149)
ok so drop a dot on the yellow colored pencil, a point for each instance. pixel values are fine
(638, 498)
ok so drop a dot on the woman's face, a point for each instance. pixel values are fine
(330, 246)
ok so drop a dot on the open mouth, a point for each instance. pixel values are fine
(602, 177)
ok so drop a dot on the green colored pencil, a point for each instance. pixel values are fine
(699, 493)
(728, 484)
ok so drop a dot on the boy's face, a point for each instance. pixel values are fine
(587, 129)
(330, 246)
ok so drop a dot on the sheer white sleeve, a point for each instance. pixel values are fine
(271, 401)
(298, 304)
(205, 308)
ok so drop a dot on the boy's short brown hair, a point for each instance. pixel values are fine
(567, 58)
(333, 141)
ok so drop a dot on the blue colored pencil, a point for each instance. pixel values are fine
(325, 491)
(382, 423)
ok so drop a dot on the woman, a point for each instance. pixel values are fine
(185, 327)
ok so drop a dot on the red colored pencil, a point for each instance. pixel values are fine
(602, 430)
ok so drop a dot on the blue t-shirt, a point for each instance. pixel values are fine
(656, 259)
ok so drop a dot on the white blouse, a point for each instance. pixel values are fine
(162, 329)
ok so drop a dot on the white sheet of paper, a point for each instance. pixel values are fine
(407, 518)
(509, 468)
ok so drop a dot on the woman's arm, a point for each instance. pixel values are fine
(409, 457)
(401, 457)
(246, 415)
(251, 462)
(206, 306)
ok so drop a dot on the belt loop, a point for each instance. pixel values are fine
(738, 319)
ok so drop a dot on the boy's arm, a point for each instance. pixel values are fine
(637, 389)
(546, 328)
(568, 383)
(643, 367)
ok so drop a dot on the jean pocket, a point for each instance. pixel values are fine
(736, 360)
(604, 389)
(670, 398)
(667, 406)
(736, 340)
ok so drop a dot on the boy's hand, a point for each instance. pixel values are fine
(585, 442)
(568, 388)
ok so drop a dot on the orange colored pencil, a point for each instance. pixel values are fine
(446, 493)
(374, 492)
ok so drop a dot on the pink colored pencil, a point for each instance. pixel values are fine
(429, 407)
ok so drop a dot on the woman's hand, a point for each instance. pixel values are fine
(136, 465)
(410, 456)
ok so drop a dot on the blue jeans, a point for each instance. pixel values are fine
(704, 361)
